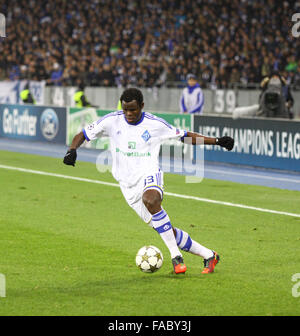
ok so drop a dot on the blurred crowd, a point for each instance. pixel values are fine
(149, 43)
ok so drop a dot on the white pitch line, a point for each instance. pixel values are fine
(233, 204)
(39, 172)
(200, 199)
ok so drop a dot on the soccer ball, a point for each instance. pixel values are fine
(149, 259)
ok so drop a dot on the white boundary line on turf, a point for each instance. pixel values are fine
(38, 172)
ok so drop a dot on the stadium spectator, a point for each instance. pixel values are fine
(14, 73)
(56, 75)
(107, 76)
(80, 97)
(276, 99)
(26, 95)
(99, 41)
(192, 98)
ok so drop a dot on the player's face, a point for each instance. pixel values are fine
(132, 111)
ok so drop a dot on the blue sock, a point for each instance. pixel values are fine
(183, 240)
(185, 243)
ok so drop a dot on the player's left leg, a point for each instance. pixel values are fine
(185, 243)
(152, 199)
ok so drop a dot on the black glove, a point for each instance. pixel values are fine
(70, 157)
(226, 142)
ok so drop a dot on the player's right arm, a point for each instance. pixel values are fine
(77, 141)
(71, 155)
(96, 129)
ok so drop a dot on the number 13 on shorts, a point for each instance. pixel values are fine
(154, 181)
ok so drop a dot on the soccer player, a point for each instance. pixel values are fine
(135, 140)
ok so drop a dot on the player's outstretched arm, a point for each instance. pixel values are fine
(226, 141)
(71, 155)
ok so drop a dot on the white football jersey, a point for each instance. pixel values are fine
(134, 148)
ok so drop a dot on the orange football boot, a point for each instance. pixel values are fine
(179, 265)
(210, 263)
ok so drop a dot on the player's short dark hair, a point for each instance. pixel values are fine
(132, 94)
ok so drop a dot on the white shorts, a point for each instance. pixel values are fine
(134, 194)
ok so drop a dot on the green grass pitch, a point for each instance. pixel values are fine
(68, 247)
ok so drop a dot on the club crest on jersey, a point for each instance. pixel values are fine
(146, 136)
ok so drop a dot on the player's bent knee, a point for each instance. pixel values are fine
(152, 200)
